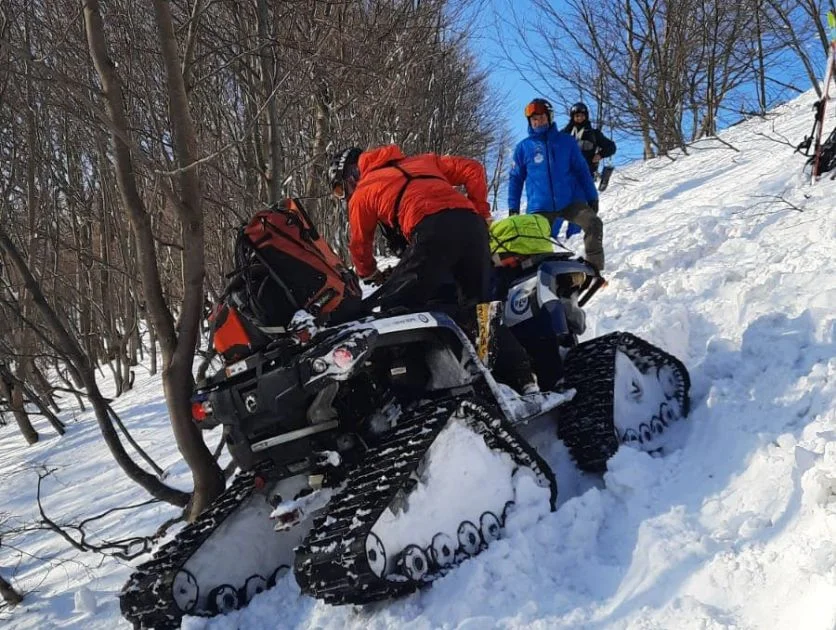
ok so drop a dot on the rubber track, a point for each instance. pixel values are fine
(331, 563)
(146, 599)
(586, 422)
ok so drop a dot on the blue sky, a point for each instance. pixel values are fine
(511, 84)
(516, 92)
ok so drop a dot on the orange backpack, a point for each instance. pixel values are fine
(282, 265)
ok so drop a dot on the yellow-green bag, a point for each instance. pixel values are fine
(522, 235)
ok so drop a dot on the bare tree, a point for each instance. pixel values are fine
(14, 399)
(177, 349)
(666, 70)
(84, 371)
(794, 24)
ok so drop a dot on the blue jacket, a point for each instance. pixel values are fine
(553, 169)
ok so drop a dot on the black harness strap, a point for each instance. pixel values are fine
(409, 179)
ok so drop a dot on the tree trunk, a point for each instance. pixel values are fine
(9, 595)
(56, 423)
(152, 349)
(84, 371)
(15, 398)
(178, 382)
(43, 386)
(268, 77)
(177, 345)
(761, 66)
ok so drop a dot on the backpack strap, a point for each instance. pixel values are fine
(409, 179)
(310, 229)
(244, 244)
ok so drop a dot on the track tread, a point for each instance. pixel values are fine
(146, 599)
(586, 422)
(331, 563)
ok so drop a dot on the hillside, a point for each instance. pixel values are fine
(725, 257)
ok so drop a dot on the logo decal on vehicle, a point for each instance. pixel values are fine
(519, 303)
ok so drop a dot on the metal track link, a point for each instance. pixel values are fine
(331, 563)
(147, 599)
(586, 422)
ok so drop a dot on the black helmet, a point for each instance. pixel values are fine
(579, 108)
(539, 106)
(343, 171)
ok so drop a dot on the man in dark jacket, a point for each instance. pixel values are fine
(557, 180)
(593, 144)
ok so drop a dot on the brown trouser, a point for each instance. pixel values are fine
(593, 229)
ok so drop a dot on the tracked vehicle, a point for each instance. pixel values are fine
(378, 454)
(628, 391)
(343, 441)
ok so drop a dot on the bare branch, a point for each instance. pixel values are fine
(126, 549)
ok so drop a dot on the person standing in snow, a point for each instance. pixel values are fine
(415, 199)
(594, 145)
(557, 179)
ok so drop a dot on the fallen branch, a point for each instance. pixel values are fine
(728, 144)
(124, 549)
(707, 139)
(770, 200)
(782, 139)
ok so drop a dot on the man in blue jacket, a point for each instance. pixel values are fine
(557, 179)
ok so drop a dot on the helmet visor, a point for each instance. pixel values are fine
(535, 108)
(343, 187)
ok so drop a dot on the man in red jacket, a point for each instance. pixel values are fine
(445, 231)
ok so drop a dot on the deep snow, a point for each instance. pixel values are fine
(725, 258)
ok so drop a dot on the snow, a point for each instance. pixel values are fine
(724, 258)
(85, 601)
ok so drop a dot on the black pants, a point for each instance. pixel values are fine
(447, 249)
(447, 267)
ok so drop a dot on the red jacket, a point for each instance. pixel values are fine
(377, 190)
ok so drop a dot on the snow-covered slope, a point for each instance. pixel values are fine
(726, 258)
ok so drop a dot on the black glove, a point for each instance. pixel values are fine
(513, 212)
(376, 279)
(594, 205)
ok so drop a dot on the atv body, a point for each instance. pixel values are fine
(627, 391)
(341, 440)
(377, 455)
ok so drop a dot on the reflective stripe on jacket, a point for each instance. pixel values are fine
(590, 141)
